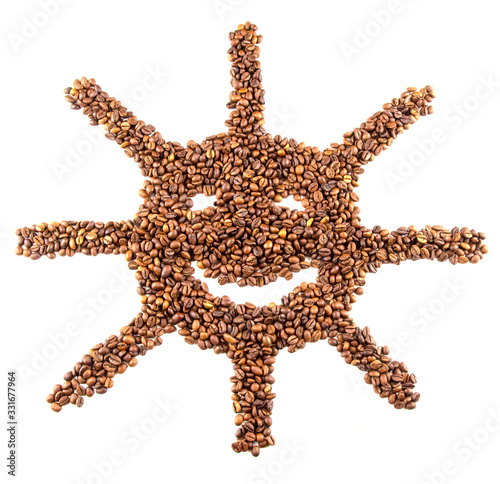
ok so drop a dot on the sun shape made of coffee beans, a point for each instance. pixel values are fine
(247, 238)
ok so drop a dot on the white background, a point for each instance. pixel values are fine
(327, 66)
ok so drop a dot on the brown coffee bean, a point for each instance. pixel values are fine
(55, 407)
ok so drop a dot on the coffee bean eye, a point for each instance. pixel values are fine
(201, 201)
(291, 203)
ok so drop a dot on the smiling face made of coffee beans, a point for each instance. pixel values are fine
(247, 239)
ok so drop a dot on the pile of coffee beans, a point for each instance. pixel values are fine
(248, 239)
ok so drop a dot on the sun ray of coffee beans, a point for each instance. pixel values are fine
(245, 238)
